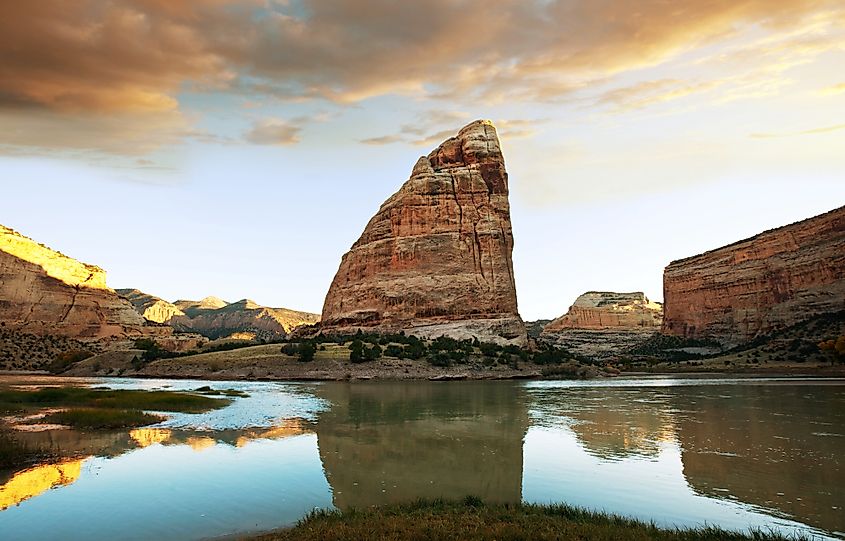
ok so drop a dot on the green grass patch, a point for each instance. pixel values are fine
(84, 397)
(102, 418)
(472, 519)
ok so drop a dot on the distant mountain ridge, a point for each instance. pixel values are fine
(215, 318)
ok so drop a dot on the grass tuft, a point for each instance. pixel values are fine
(84, 397)
(471, 518)
(93, 418)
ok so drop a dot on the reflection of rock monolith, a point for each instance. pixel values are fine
(395, 442)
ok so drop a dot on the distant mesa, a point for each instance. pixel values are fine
(215, 318)
(759, 285)
(436, 258)
(609, 310)
(208, 303)
(605, 323)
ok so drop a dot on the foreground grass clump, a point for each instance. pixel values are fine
(83, 397)
(471, 519)
(102, 418)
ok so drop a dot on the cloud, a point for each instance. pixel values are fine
(86, 62)
(435, 126)
(833, 90)
(813, 131)
(382, 140)
(274, 131)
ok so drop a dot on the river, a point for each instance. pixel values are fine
(737, 453)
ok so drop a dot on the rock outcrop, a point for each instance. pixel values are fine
(436, 258)
(603, 323)
(215, 318)
(758, 285)
(608, 310)
(45, 292)
(150, 307)
(244, 316)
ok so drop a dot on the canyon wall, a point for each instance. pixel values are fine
(436, 258)
(215, 318)
(605, 309)
(45, 292)
(758, 285)
(605, 323)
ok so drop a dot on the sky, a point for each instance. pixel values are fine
(237, 148)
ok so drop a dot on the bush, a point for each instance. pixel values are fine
(306, 351)
(66, 359)
(394, 350)
(440, 359)
(373, 353)
(356, 354)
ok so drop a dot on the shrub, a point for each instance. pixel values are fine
(440, 359)
(306, 351)
(356, 354)
(66, 359)
(394, 350)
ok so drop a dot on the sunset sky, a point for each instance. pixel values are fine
(238, 148)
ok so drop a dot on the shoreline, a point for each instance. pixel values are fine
(447, 376)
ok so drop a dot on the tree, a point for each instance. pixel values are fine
(306, 351)
(356, 354)
(373, 353)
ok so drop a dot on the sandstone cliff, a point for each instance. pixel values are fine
(45, 292)
(603, 323)
(759, 285)
(436, 258)
(214, 318)
(151, 308)
(604, 309)
(243, 316)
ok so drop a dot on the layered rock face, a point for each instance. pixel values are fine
(758, 285)
(436, 258)
(150, 307)
(213, 317)
(244, 316)
(605, 309)
(45, 292)
(604, 323)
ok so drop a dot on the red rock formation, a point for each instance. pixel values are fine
(604, 324)
(45, 292)
(604, 309)
(436, 258)
(772, 280)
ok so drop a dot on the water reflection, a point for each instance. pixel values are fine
(33, 481)
(769, 446)
(685, 452)
(389, 442)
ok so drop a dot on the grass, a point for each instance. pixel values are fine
(83, 397)
(103, 418)
(472, 519)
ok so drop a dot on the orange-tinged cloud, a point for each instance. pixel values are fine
(78, 64)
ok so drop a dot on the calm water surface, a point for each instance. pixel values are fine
(681, 452)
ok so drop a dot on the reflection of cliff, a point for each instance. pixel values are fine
(386, 442)
(32, 482)
(613, 425)
(774, 449)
